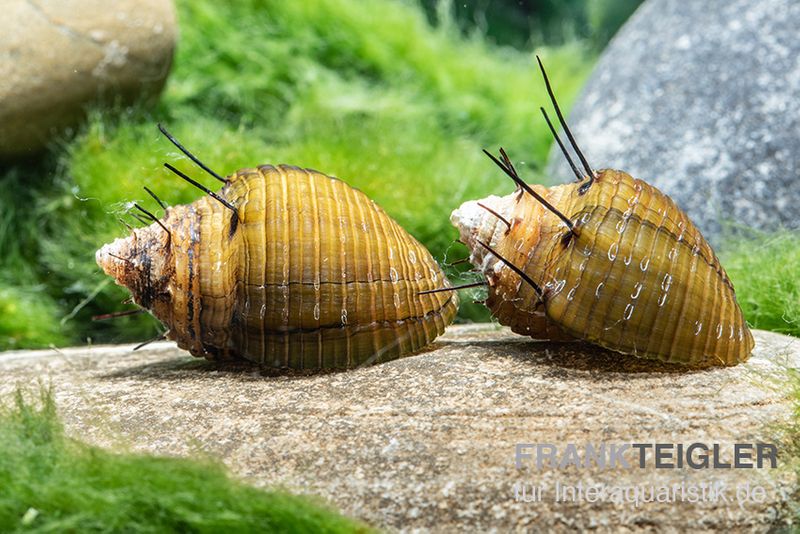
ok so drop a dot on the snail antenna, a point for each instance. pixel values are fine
(140, 218)
(585, 163)
(493, 212)
(189, 154)
(521, 183)
(564, 150)
(114, 315)
(516, 269)
(152, 218)
(454, 288)
(159, 337)
(203, 188)
(155, 197)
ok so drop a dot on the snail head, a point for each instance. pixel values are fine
(141, 262)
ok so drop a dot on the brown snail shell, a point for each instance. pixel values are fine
(609, 259)
(306, 273)
(638, 277)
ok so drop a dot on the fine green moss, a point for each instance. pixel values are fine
(765, 270)
(51, 483)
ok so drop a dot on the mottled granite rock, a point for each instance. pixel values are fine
(701, 99)
(427, 442)
(57, 56)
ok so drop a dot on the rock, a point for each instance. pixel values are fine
(428, 441)
(703, 101)
(58, 56)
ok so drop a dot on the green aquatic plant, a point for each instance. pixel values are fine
(765, 269)
(52, 483)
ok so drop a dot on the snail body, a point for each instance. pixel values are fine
(291, 269)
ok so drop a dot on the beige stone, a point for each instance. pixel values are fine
(58, 56)
(427, 442)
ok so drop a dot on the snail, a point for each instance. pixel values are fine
(284, 266)
(608, 259)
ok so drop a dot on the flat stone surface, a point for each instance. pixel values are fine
(701, 99)
(427, 442)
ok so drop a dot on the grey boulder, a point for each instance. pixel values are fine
(701, 99)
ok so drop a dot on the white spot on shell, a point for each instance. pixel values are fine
(662, 300)
(719, 331)
(673, 252)
(666, 282)
(636, 290)
(733, 333)
(571, 294)
(645, 263)
(627, 259)
(559, 286)
(597, 291)
(396, 299)
(412, 258)
(628, 312)
(434, 276)
(364, 227)
(697, 327)
(344, 316)
(263, 312)
(316, 311)
(612, 251)
(585, 217)
(393, 275)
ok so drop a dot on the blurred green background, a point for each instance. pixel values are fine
(395, 97)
